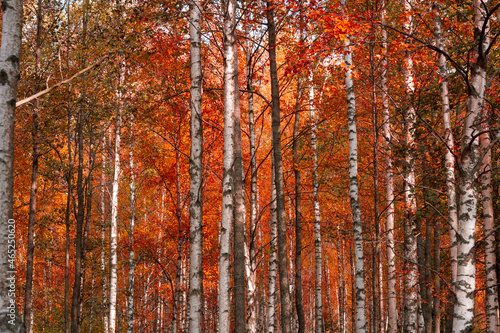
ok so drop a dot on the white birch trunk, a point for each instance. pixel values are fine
(489, 231)
(252, 306)
(361, 322)
(195, 303)
(226, 229)
(463, 318)
(286, 307)
(392, 324)
(449, 140)
(411, 318)
(272, 296)
(9, 76)
(113, 242)
(235, 160)
(318, 306)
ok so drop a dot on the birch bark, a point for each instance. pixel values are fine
(449, 140)
(195, 303)
(278, 171)
(318, 306)
(463, 318)
(235, 166)
(113, 237)
(389, 174)
(272, 296)
(411, 320)
(361, 322)
(252, 305)
(489, 231)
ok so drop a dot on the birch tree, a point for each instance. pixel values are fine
(9, 76)
(410, 229)
(272, 295)
(299, 302)
(463, 319)
(318, 307)
(113, 233)
(361, 322)
(234, 165)
(450, 143)
(389, 175)
(196, 175)
(252, 305)
(278, 172)
(489, 231)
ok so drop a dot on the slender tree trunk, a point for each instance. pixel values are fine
(299, 301)
(195, 304)
(9, 76)
(113, 240)
(234, 162)
(376, 316)
(67, 320)
(489, 231)
(361, 322)
(410, 229)
(180, 241)
(463, 319)
(272, 296)
(392, 324)
(104, 188)
(437, 279)
(252, 305)
(80, 216)
(286, 309)
(449, 140)
(131, 253)
(28, 300)
(318, 301)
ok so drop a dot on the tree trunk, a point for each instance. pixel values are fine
(195, 303)
(131, 253)
(80, 217)
(9, 76)
(272, 296)
(463, 319)
(235, 164)
(252, 305)
(411, 321)
(392, 324)
(489, 231)
(299, 301)
(28, 295)
(104, 189)
(449, 140)
(67, 320)
(318, 306)
(361, 322)
(286, 309)
(437, 279)
(113, 239)
(377, 301)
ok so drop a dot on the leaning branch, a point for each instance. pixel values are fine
(49, 89)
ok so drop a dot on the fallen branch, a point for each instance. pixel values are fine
(49, 89)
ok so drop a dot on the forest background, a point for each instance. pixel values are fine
(172, 151)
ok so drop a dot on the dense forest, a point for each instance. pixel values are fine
(249, 166)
